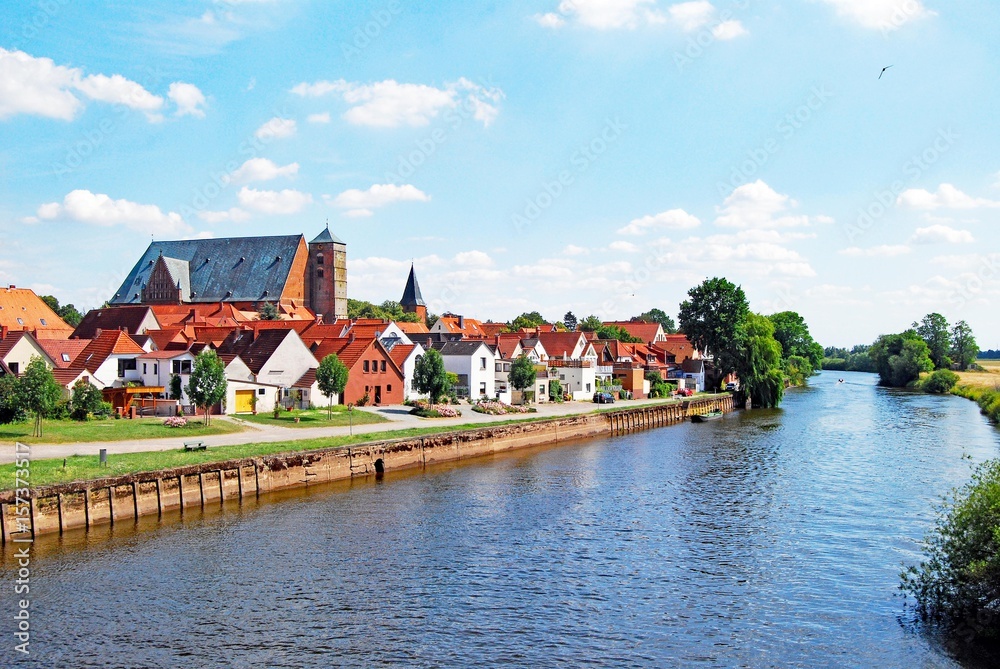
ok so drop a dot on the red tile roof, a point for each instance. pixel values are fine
(680, 347)
(400, 352)
(643, 330)
(492, 329)
(306, 380)
(64, 377)
(412, 328)
(507, 343)
(57, 348)
(21, 309)
(559, 344)
(102, 347)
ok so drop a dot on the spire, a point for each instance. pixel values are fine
(326, 237)
(411, 294)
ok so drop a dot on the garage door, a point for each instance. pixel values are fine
(244, 401)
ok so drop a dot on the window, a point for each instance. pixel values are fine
(366, 368)
(42, 321)
(319, 259)
(65, 357)
(260, 391)
(125, 365)
(319, 273)
(20, 321)
(499, 367)
(180, 366)
(482, 363)
(382, 366)
(156, 368)
(13, 368)
(388, 388)
(482, 388)
(143, 368)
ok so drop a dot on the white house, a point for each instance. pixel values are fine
(17, 348)
(244, 394)
(111, 358)
(275, 358)
(475, 364)
(157, 368)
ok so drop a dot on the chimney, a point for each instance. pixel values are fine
(97, 333)
(461, 322)
(350, 337)
(12, 286)
(3, 332)
(429, 346)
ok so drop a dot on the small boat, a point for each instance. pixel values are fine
(705, 417)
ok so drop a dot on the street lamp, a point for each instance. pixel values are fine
(350, 416)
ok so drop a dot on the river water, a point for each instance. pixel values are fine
(766, 539)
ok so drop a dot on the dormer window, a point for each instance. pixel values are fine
(65, 357)
(42, 321)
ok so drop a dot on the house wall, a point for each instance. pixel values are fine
(360, 382)
(288, 363)
(477, 373)
(409, 370)
(106, 375)
(157, 373)
(23, 351)
(580, 382)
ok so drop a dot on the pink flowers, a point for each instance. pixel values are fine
(495, 408)
(175, 421)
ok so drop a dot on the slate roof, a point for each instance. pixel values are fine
(306, 380)
(327, 237)
(102, 347)
(253, 268)
(254, 350)
(463, 348)
(411, 294)
(128, 317)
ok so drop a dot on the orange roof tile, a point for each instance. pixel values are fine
(412, 328)
(400, 352)
(63, 351)
(102, 347)
(643, 330)
(21, 309)
(559, 344)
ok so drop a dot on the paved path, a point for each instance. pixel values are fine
(399, 417)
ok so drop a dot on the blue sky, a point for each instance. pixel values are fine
(599, 156)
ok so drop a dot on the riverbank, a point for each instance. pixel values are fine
(215, 476)
(983, 388)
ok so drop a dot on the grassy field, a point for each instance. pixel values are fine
(989, 380)
(71, 431)
(86, 467)
(982, 388)
(315, 418)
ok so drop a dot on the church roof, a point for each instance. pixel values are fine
(411, 294)
(252, 268)
(326, 237)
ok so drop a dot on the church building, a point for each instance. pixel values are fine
(245, 272)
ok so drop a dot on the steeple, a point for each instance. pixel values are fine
(412, 301)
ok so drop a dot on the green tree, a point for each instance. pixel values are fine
(900, 358)
(957, 585)
(526, 320)
(963, 345)
(51, 301)
(176, 387)
(798, 369)
(940, 381)
(70, 314)
(11, 407)
(331, 376)
(555, 390)
(758, 363)
(268, 312)
(207, 383)
(658, 316)
(933, 329)
(430, 376)
(38, 391)
(657, 386)
(792, 333)
(570, 321)
(714, 317)
(590, 324)
(86, 400)
(522, 373)
(617, 332)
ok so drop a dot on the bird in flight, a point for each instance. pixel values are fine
(883, 71)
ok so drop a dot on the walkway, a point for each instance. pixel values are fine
(399, 417)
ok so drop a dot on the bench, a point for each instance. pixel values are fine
(194, 446)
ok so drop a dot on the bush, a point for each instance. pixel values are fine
(498, 408)
(555, 391)
(104, 410)
(87, 400)
(957, 587)
(364, 400)
(176, 421)
(940, 382)
(61, 411)
(435, 411)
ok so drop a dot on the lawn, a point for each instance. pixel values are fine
(315, 418)
(86, 467)
(109, 429)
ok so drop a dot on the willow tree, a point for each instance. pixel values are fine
(758, 363)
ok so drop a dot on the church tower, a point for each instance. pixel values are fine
(412, 301)
(328, 276)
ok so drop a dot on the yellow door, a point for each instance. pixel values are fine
(244, 401)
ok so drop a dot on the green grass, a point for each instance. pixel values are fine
(315, 418)
(109, 429)
(987, 399)
(86, 467)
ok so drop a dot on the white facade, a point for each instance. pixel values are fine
(409, 371)
(109, 373)
(156, 370)
(239, 377)
(22, 352)
(478, 367)
(579, 381)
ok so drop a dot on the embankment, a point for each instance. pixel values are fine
(57, 508)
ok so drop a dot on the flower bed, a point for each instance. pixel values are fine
(425, 410)
(176, 421)
(495, 408)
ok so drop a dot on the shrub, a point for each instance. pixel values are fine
(435, 411)
(957, 587)
(497, 408)
(104, 410)
(176, 421)
(555, 391)
(87, 400)
(940, 382)
(364, 400)
(61, 411)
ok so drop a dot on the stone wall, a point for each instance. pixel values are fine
(82, 504)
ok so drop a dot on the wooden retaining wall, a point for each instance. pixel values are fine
(83, 504)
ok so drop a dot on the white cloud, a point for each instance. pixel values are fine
(625, 247)
(274, 202)
(729, 30)
(691, 16)
(189, 99)
(361, 202)
(884, 251)
(550, 20)
(390, 104)
(38, 86)
(885, 15)
(573, 250)
(319, 118)
(757, 205)
(941, 234)
(946, 197)
(234, 215)
(674, 219)
(604, 14)
(358, 213)
(473, 259)
(262, 169)
(276, 128)
(99, 209)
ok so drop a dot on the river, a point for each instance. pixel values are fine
(766, 539)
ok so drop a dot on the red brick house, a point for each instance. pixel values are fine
(371, 369)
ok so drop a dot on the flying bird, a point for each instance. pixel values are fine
(883, 71)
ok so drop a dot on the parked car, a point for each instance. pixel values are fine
(684, 392)
(731, 386)
(604, 398)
